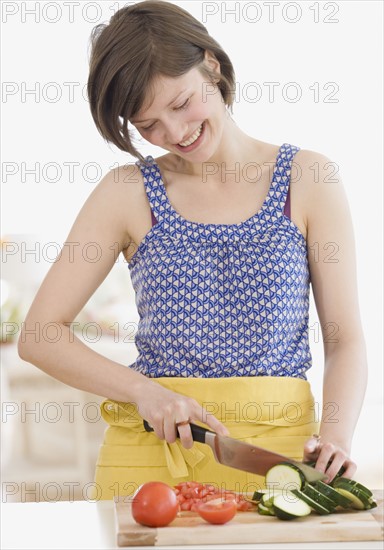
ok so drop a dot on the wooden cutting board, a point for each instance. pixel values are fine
(250, 527)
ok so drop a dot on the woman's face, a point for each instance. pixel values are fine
(186, 116)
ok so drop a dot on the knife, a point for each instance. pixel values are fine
(243, 456)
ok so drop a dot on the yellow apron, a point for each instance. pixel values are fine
(276, 413)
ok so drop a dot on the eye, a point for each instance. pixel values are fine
(183, 106)
(149, 127)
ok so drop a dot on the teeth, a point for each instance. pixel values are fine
(193, 138)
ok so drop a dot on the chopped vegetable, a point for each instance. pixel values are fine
(265, 510)
(356, 493)
(337, 498)
(287, 510)
(191, 493)
(217, 511)
(289, 495)
(318, 508)
(285, 476)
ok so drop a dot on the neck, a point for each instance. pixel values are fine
(235, 150)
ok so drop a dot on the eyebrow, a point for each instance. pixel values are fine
(173, 100)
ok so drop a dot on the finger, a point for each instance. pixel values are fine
(326, 452)
(185, 435)
(170, 430)
(350, 469)
(338, 460)
(311, 446)
(311, 450)
(215, 424)
(157, 424)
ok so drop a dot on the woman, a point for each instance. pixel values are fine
(221, 252)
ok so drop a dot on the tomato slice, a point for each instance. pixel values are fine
(217, 512)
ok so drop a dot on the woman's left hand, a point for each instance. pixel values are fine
(323, 452)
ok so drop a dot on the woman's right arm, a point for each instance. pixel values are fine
(46, 339)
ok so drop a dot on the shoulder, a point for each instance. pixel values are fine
(310, 161)
(126, 178)
(313, 167)
(316, 181)
(120, 192)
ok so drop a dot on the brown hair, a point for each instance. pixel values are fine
(140, 42)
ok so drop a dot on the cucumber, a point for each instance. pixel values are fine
(285, 476)
(267, 500)
(318, 508)
(354, 484)
(359, 499)
(287, 509)
(337, 498)
(356, 502)
(265, 510)
(318, 497)
(258, 495)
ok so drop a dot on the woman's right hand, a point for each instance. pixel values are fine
(164, 409)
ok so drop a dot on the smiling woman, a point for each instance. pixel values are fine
(222, 277)
(133, 51)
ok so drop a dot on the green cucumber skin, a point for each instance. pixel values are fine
(353, 484)
(360, 495)
(319, 498)
(267, 501)
(281, 513)
(258, 495)
(331, 493)
(322, 498)
(265, 510)
(316, 507)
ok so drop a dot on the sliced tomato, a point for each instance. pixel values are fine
(217, 512)
(191, 493)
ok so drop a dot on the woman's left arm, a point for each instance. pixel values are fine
(332, 265)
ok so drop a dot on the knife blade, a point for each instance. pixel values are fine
(244, 456)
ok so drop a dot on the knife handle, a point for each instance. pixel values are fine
(198, 433)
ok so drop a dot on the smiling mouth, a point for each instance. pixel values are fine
(194, 137)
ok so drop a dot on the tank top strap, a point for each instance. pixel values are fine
(154, 188)
(281, 180)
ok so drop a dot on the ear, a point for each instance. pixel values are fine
(211, 61)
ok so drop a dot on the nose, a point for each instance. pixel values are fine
(175, 132)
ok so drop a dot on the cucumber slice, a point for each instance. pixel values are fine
(267, 500)
(356, 502)
(353, 484)
(312, 503)
(265, 510)
(284, 476)
(359, 500)
(337, 498)
(258, 495)
(318, 497)
(287, 509)
(372, 504)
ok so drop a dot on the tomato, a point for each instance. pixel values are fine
(191, 493)
(219, 511)
(154, 504)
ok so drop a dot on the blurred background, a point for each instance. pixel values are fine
(51, 432)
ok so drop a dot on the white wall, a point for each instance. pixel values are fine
(336, 50)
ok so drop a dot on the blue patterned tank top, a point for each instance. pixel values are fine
(220, 300)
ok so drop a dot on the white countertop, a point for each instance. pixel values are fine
(80, 524)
